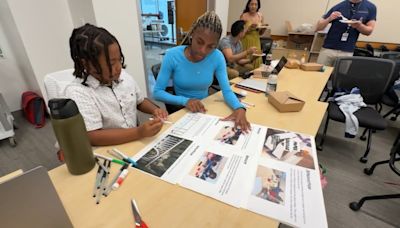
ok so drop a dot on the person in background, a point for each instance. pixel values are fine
(253, 19)
(107, 97)
(237, 61)
(349, 18)
(192, 68)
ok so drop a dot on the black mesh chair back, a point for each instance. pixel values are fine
(266, 45)
(362, 52)
(370, 75)
(395, 56)
(394, 156)
(370, 48)
(384, 48)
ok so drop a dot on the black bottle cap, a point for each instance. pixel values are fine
(62, 108)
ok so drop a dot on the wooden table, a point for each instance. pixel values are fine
(166, 205)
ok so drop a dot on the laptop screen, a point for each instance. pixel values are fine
(280, 65)
(30, 200)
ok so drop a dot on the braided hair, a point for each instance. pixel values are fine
(87, 43)
(247, 9)
(209, 20)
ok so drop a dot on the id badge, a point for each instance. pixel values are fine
(345, 35)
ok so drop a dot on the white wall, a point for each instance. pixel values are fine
(44, 27)
(123, 21)
(310, 11)
(222, 10)
(15, 70)
(82, 12)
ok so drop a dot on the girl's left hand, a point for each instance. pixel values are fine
(160, 113)
(239, 117)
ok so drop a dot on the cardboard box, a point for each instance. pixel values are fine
(284, 101)
(311, 66)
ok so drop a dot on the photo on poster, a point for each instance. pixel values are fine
(289, 147)
(209, 167)
(228, 135)
(159, 158)
(270, 184)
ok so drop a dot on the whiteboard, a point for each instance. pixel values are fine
(276, 12)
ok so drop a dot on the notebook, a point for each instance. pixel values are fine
(255, 85)
(30, 200)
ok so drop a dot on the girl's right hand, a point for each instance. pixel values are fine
(195, 105)
(151, 127)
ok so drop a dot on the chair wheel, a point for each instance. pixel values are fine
(393, 118)
(12, 141)
(354, 206)
(363, 137)
(363, 160)
(319, 148)
(368, 171)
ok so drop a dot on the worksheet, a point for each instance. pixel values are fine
(272, 172)
(286, 185)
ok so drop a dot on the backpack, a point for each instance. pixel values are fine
(34, 109)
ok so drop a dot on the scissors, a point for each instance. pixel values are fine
(138, 219)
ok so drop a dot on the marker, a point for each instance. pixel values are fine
(101, 165)
(249, 104)
(164, 121)
(102, 183)
(106, 179)
(124, 157)
(120, 179)
(97, 182)
(109, 188)
(110, 159)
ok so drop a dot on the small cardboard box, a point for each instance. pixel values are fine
(311, 66)
(284, 101)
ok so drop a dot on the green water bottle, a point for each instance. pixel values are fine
(71, 134)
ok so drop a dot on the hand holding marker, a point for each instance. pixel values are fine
(164, 121)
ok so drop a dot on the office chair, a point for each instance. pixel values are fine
(390, 98)
(155, 69)
(266, 45)
(362, 52)
(56, 82)
(384, 48)
(371, 76)
(370, 49)
(394, 157)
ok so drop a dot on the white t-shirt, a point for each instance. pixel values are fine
(104, 107)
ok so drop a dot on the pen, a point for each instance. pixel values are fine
(164, 121)
(124, 157)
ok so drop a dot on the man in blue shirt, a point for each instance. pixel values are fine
(237, 61)
(349, 18)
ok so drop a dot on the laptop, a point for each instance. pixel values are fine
(255, 85)
(279, 66)
(30, 200)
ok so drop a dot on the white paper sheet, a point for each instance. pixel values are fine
(269, 171)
